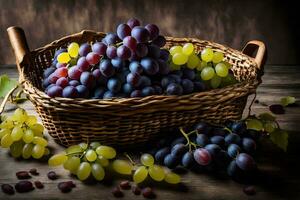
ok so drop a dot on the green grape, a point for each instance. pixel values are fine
(180, 59)
(156, 172)
(83, 145)
(228, 65)
(193, 61)
(39, 140)
(122, 167)
(172, 178)
(73, 49)
(215, 81)
(28, 136)
(98, 171)
(94, 145)
(20, 115)
(207, 55)
(218, 57)
(147, 160)
(174, 67)
(269, 127)
(38, 151)
(106, 151)
(140, 174)
(254, 124)
(175, 49)
(285, 101)
(84, 171)
(16, 149)
(207, 73)
(57, 159)
(72, 164)
(188, 49)
(102, 161)
(17, 133)
(38, 129)
(91, 155)
(201, 65)
(47, 152)
(7, 124)
(27, 150)
(31, 120)
(221, 70)
(4, 132)
(63, 57)
(6, 141)
(74, 149)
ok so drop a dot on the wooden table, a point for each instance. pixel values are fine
(281, 170)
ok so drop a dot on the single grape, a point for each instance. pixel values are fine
(218, 57)
(141, 34)
(106, 68)
(178, 150)
(108, 95)
(153, 30)
(239, 127)
(161, 154)
(159, 41)
(72, 164)
(188, 160)
(172, 178)
(147, 160)
(171, 161)
(94, 145)
(31, 120)
(179, 59)
(201, 65)
(48, 71)
(130, 42)
(133, 22)
(74, 73)
(38, 151)
(106, 151)
(193, 61)
(63, 57)
(84, 171)
(215, 82)
(62, 82)
(111, 52)
(61, 72)
(111, 38)
(133, 79)
(213, 150)
(16, 149)
(17, 133)
(4, 132)
(188, 74)
(140, 174)
(141, 50)
(57, 159)
(164, 55)
(175, 49)
(83, 64)
(156, 173)
(70, 92)
(98, 171)
(233, 150)
(39, 140)
(28, 136)
(27, 150)
(202, 156)
(123, 30)
(135, 67)
(93, 58)
(249, 145)
(202, 140)
(127, 88)
(174, 89)
(207, 55)
(118, 63)
(245, 162)
(187, 86)
(232, 138)
(207, 73)
(104, 162)
(86, 79)
(82, 91)
(122, 167)
(188, 49)
(219, 140)
(74, 82)
(73, 49)
(114, 85)
(157, 89)
(221, 70)
(232, 168)
(91, 155)
(84, 49)
(148, 91)
(123, 52)
(136, 93)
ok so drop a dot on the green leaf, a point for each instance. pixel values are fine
(254, 124)
(6, 84)
(280, 138)
(285, 101)
(266, 117)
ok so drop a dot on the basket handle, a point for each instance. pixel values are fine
(261, 55)
(19, 44)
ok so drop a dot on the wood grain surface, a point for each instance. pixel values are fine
(281, 174)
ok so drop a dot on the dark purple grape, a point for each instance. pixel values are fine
(87, 79)
(136, 93)
(110, 38)
(254, 134)
(96, 73)
(150, 66)
(123, 52)
(202, 156)
(141, 50)
(23, 175)
(233, 169)
(99, 92)
(176, 77)
(159, 41)
(148, 91)
(74, 83)
(64, 187)
(82, 91)
(24, 186)
(217, 139)
(48, 72)
(187, 86)
(135, 67)
(277, 109)
(125, 185)
(38, 184)
(133, 79)
(108, 95)
(148, 193)
(158, 90)
(70, 92)
(141, 34)
(174, 89)
(93, 58)
(233, 150)
(178, 150)
(203, 128)
(127, 88)
(107, 68)
(144, 81)
(171, 161)
(133, 22)
(199, 86)
(153, 30)
(249, 145)
(117, 192)
(188, 160)
(118, 63)
(111, 52)
(62, 82)
(55, 91)
(84, 49)
(161, 154)
(153, 51)
(136, 190)
(114, 85)
(83, 64)
(189, 74)
(46, 83)
(74, 73)
(202, 140)
(249, 190)
(245, 162)
(232, 138)
(8, 189)
(123, 30)
(180, 140)
(164, 55)
(52, 175)
(99, 48)
(134, 57)
(213, 149)
(166, 81)
(130, 42)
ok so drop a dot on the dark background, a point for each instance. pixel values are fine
(232, 23)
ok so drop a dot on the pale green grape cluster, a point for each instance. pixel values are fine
(23, 135)
(84, 160)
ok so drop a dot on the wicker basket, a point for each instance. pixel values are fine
(131, 121)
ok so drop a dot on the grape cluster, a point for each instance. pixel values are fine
(23, 135)
(212, 147)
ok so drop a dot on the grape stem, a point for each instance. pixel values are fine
(129, 158)
(7, 96)
(187, 138)
(227, 129)
(78, 152)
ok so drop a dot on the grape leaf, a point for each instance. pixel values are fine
(280, 138)
(266, 117)
(254, 124)
(285, 101)
(6, 84)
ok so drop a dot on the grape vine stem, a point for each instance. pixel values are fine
(2, 106)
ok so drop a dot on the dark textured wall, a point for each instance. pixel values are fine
(227, 22)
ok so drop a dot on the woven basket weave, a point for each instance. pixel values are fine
(131, 121)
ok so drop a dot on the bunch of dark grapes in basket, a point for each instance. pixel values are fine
(128, 63)
(207, 147)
